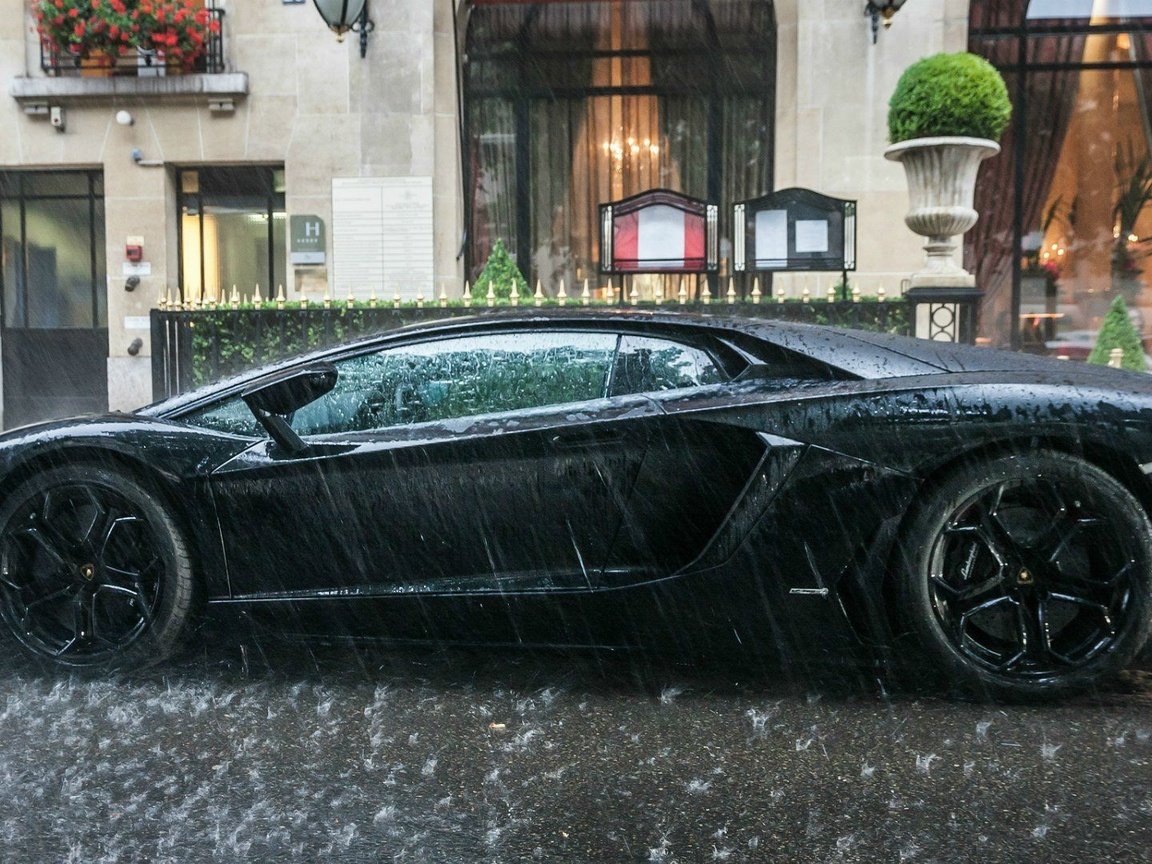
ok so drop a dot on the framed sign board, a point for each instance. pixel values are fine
(659, 231)
(794, 229)
(382, 238)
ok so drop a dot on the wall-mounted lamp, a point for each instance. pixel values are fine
(138, 158)
(124, 118)
(881, 10)
(344, 15)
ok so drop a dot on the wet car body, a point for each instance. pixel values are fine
(762, 511)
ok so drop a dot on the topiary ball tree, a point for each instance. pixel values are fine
(1117, 332)
(949, 94)
(503, 273)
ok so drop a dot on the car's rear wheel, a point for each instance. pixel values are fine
(1027, 576)
(94, 571)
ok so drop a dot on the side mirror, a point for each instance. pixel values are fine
(272, 399)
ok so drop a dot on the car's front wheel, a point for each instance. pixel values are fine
(94, 571)
(1028, 576)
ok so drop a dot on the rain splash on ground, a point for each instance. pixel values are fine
(352, 755)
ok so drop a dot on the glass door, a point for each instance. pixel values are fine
(55, 316)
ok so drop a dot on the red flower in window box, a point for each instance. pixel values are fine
(178, 29)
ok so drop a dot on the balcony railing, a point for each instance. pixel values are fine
(143, 64)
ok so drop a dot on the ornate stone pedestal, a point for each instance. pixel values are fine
(945, 314)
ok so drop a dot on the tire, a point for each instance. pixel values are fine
(1027, 577)
(94, 571)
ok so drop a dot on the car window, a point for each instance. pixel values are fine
(229, 415)
(461, 377)
(644, 364)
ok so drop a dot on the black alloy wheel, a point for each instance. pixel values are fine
(93, 570)
(1029, 576)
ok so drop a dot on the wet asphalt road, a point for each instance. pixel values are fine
(349, 755)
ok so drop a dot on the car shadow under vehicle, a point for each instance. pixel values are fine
(235, 657)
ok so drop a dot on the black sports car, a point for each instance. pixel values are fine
(608, 479)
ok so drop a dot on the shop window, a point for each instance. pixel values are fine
(1066, 210)
(232, 231)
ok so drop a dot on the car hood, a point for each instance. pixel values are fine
(172, 449)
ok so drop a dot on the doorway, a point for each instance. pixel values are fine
(54, 333)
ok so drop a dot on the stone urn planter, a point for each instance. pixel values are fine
(941, 174)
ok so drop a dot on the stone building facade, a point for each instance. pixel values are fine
(190, 182)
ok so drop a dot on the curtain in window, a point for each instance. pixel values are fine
(492, 171)
(1046, 102)
(988, 14)
(1141, 52)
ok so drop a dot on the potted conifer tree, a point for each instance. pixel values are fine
(501, 274)
(946, 116)
(1117, 331)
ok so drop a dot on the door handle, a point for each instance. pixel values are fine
(576, 440)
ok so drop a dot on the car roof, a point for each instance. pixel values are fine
(858, 353)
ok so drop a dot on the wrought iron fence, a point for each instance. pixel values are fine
(190, 348)
(143, 64)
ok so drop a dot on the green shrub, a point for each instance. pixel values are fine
(503, 273)
(949, 94)
(225, 341)
(1117, 332)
